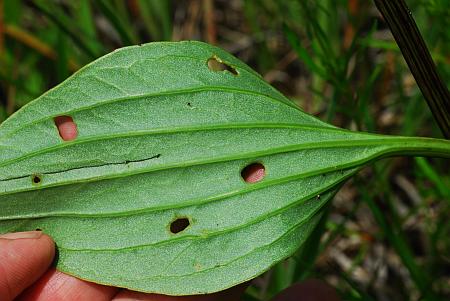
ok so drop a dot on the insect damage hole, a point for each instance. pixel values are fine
(180, 224)
(253, 173)
(36, 179)
(216, 64)
(66, 127)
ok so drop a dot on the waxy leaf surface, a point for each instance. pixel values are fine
(163, 136)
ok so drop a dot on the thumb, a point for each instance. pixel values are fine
(24, 257)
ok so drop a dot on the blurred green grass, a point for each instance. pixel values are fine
(387, 233)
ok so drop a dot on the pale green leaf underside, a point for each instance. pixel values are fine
(162, 136)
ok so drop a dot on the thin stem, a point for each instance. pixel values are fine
(404, 29)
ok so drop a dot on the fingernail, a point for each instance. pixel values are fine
(22, 235)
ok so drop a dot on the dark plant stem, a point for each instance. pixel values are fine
(404, 29)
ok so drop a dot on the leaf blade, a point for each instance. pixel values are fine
(161, 136)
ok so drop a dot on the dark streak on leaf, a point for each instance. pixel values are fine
(84, 167)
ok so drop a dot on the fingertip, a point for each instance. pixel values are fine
(253, 173)
(24, 257)
(55, 285)
(67, 128)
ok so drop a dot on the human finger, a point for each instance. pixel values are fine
(24, 257)
(55, 286)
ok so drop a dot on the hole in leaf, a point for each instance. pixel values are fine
(36, 179)
(253, 173)
(216, 64)
(179, 225)
(66, 127)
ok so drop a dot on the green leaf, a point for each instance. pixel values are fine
(164, 131)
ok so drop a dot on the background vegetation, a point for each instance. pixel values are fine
(386, 236)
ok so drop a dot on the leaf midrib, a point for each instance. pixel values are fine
(166, 130)
(290, 148)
